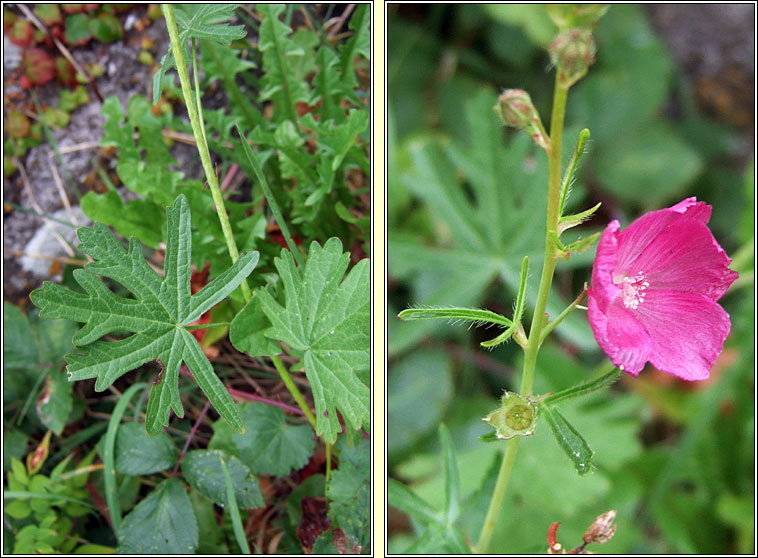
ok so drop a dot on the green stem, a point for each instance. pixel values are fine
(202, 146)
(328, 461)
(497, 495)
(538, 320)
(570, 308)
(208, 326)
(287, 379)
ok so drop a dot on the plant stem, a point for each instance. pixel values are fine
(202, 146)
(287, 379)
(538, 320)
(570, 308)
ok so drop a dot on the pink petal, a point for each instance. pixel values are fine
(603, 288)
(620, 335)
(637, 236)
(686, 331)
(694, 209)
(684, 256)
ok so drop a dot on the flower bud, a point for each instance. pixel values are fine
(572, 52)
(601, 530)
(568, 16)
(515, 108)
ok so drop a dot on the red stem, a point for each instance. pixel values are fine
(191, 435)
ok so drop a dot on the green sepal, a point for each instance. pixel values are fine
(516, 417)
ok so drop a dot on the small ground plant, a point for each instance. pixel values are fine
(281, 268)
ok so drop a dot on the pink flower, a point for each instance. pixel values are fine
(654, 292)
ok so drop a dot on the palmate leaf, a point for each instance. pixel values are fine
(162, 307)
(328, 319)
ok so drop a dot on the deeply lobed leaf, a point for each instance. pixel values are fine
(328, 319)
(155, 317)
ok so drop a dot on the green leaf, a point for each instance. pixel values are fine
(55, 402)
(401, 497)
(476, 315)
(14, 445)
(18, 352)
(584, 388)
(246, 331)
(328, 85)
(140, 454)
(358, 45)
(77, 30)
(568, 176)
(106, 28)
(210, 534)
(156, 317)
(202, 470)
(425, 375)
(349, 494)
(327, 318)
(162, 523)
(234, 512)
(269, 445)
(570, 441)
(199, 21)
(452, 480)
(72, 98)
(281, 84)
(518, 312)
(138, 217)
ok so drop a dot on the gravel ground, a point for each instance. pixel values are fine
(124, 76)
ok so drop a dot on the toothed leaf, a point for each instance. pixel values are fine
(327, 318)
(155, 316)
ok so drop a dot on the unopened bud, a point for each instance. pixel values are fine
(515, 108)
(568, 16)
(602, 529)
(572, 52)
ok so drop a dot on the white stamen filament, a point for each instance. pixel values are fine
(633, 290)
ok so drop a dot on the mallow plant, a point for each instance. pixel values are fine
(652, 298)
(306, 308)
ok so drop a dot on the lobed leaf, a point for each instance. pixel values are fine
(155, 317)
(327, 318)
(269, 445)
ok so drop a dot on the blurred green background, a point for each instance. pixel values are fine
(466, 201)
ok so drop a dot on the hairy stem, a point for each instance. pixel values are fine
(202, 146)
(538, 320)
